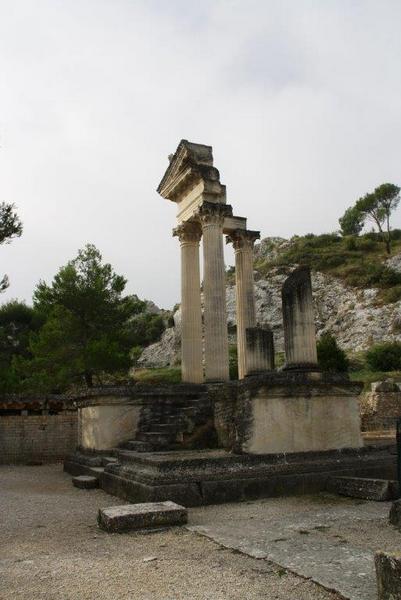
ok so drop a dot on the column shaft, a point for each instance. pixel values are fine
(191, 316)
(214, 285)
(243, 242)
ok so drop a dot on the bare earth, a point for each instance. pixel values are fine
(51, 549)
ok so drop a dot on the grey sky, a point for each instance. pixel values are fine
(300, 99)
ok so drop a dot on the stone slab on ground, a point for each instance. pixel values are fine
(388, 572)
(142, 516)
(363, 487)
(303, 536)
(85, 482)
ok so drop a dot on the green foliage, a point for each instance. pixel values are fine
(357, 260)
(10, 228)
(384, 357)
(156, 376)
(87, 332)
(145, 328)
(17, 322)
(330, 356)
(378, 207)
(352, 221)
(392, 295)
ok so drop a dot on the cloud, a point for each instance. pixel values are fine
(300, 101)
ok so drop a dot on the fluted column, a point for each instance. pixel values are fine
(214, 287)
(243, 242)
(189, 235)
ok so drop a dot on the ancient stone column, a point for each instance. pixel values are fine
(189, 235)
(299, 321)
(214, 288)
(259, 350)
(243, 241)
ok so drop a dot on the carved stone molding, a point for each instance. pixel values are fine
(242, 239)
(188, 232)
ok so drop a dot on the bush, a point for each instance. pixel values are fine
(330, 356)
(384, 357)
(156, 376)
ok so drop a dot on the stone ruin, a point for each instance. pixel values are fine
(208, 439)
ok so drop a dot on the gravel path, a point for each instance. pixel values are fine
(51, 549)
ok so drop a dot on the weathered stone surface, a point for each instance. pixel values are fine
(395, 514)
(316, 540)
(388, 573)
(194, 478)
(142, 516)
(361, 487)
(85, 482)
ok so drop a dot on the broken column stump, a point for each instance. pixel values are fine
(141, 516)
(388, 574)
(85, 482)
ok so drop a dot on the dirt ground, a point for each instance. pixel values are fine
(52, 549)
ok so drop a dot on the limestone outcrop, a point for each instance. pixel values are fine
(352, 315)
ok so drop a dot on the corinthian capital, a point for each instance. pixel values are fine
(211, 214)
(242, 238)
(188, 232)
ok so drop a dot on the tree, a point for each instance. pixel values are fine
(352, 221)
(388, 197)
(85, 333)
(378, 206)
(17, 322)
(10, 228)
(330, 356)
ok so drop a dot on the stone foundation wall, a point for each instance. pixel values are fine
(381, 407)
(288, 412)
(42, 438)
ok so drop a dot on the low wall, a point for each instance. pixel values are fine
(34, 437)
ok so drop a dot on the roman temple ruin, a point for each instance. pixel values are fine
(210, 439)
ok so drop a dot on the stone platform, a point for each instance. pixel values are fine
(195, 478)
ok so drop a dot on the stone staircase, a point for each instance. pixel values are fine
(173, 423)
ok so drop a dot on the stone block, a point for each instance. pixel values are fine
(142, 516)
(395, 514)
(388, 575)
(85, 482)
(363, 487)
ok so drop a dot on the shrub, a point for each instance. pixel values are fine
(330, 356)
(156, 376)
(384, 357)
(396, 234)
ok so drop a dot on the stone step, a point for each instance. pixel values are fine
(97, 470)
(165, 428)
(85, 482)
(141, 516)
(155, 438)
(137, 446)
(108, 460)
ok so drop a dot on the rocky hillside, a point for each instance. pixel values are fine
(357, 316)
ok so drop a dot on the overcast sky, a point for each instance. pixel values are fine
(301, 101)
